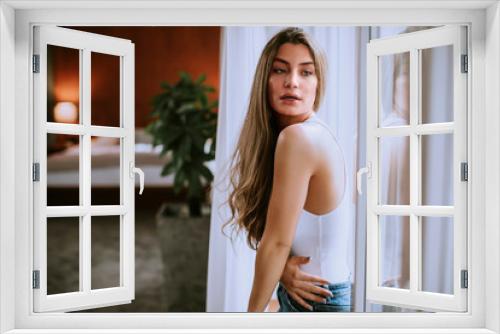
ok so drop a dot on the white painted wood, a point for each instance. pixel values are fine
(372, 184)
(413, 298)
(76, 39)
(76, 211)
(483, 123)
(39, 155)
(414, 167)
(80, 129)
(406, 210)
(430, 38)
(489, 177)
(127, 117)
(423, 300)
(7, 169)
(419, 129)
(86, 297)
(460, 155)
(67, 302)
(82, 301)
(245, 4)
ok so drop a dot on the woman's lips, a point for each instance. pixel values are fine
(290, 99)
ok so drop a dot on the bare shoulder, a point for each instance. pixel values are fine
(296, 148)
(294, 157)
(296, 139)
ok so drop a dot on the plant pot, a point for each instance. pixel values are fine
(184, 250)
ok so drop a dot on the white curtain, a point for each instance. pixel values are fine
(230, 270)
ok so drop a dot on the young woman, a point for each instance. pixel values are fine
(288, 176)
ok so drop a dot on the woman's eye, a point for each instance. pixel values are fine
(307, 73)
(278, 70)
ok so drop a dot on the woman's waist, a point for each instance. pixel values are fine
(328, 269)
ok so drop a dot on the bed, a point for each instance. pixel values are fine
(63, 166)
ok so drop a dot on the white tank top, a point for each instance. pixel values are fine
(324, 238)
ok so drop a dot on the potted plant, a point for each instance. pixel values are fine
(184, 124)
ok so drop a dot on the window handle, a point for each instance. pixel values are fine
(365, 170)
(134, 170)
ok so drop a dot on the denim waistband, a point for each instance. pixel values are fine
(340, 301)
(336, 286)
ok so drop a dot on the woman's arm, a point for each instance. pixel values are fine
(294, 164)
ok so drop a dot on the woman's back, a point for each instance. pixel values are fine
(321, 235)
(327, 184)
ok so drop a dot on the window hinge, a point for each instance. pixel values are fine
(465, 279)
(36, 63)
(465, 65)
(36, 279)
(36, 171)
(464, 171)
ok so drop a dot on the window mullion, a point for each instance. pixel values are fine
(414, 170)
(85, 186)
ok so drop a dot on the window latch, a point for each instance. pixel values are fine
(365, 170)
(134, 170)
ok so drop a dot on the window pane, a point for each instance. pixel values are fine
(437, 84)
(394, 89)
(105, 89)
(63, 169)
(394, 169)
(105, 169)
(394, 262)
(105, 251)
(437, 254)
(63, 255)
(437, 169)
(63, 84)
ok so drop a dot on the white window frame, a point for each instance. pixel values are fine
(16, 21)
(413, 43)
(85, 43)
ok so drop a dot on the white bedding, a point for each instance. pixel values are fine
(63, 167)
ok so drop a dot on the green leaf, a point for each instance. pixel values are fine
(182, 120)
(165, 85)
(168, 169)
(185, 148)
(195, 186)
(207, 173)
(198, 141)
(200, 79)
(179, 181)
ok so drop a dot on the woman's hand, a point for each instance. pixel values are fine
(300, 285)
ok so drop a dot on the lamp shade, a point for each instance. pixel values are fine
(65, 112)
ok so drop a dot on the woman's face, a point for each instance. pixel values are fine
(291, 89)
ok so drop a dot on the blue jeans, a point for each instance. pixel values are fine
(339, 302)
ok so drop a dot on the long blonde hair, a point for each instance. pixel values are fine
(251, 173)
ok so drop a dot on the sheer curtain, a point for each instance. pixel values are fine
(230, 270)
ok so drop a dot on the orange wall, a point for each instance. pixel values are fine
(160, 53)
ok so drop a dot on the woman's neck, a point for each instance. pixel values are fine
(285, 120)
